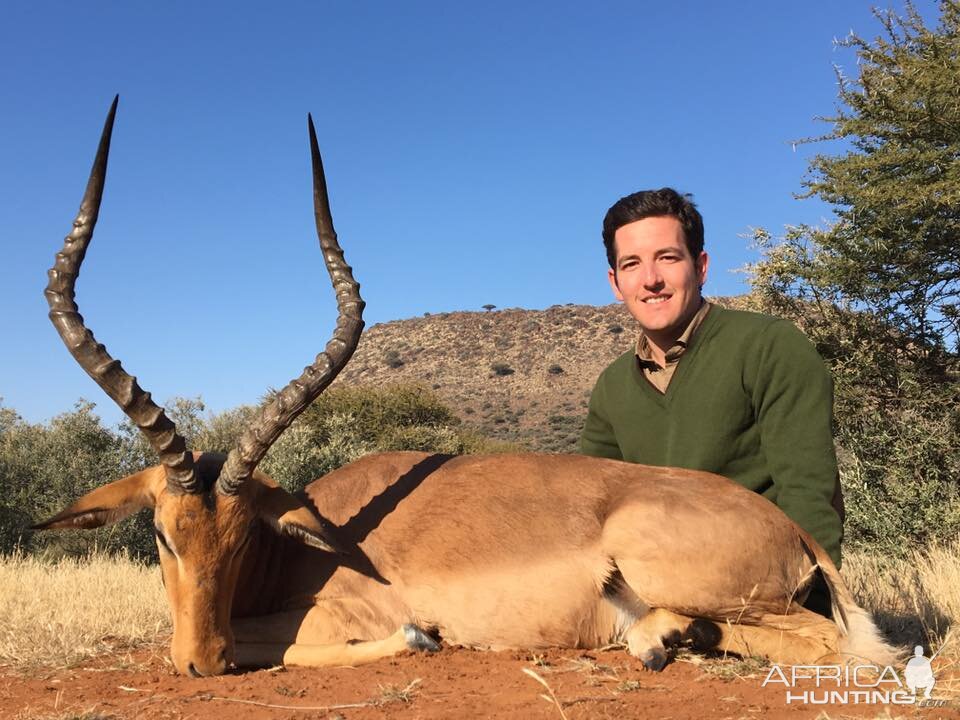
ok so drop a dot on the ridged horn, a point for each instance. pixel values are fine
(91, 355)
(277, 414)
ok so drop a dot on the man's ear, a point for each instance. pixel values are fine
(109, 503)
(288, 516)
(614, 285)
(701, 265)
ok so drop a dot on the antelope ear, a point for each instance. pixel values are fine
(288, 516)
(108, 504)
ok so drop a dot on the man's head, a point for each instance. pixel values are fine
(654, 203)
(654, 242)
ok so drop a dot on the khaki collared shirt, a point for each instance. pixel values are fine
(658, 376)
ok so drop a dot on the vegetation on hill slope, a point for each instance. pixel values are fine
(521, 376)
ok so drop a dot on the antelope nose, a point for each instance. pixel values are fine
(207, 669)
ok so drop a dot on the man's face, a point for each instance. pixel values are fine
(657, 278)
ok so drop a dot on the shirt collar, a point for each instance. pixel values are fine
(645, 352)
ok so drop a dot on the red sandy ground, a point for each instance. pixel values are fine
(454, 683)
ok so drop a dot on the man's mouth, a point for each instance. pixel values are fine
(656, 299)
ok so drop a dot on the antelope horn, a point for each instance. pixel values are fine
(91, 355)
(277, 414)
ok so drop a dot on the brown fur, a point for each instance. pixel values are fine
(503, 551)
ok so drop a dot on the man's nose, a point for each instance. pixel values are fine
(652, 278)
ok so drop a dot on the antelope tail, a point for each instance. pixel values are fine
(860, 639)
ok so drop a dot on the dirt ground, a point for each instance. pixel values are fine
(454, 683)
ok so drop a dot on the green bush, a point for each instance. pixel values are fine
(308, 450)
(902, 470)
(44, 468)
(344, 424)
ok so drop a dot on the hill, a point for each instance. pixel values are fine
(516, 375)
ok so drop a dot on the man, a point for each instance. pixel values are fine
(740, 394)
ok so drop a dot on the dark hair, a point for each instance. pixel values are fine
(654, 203)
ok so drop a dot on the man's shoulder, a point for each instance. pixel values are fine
(744, 326)
(746, 319)
(766, 341)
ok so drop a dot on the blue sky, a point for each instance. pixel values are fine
(471, 151)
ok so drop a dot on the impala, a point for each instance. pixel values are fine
(399, 550)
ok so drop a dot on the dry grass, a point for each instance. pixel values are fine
(388, 694)
(396, 694)
(726, 667)
(915, 600)
(58, 614)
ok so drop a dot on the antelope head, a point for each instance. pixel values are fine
(205, 506)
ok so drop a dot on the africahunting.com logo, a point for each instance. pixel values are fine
(858, 684)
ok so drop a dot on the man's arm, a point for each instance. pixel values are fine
(597, 438)
(792, 396)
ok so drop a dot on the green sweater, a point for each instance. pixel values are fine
(750, 399)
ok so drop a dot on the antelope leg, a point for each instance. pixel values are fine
(356, 652)
(650, 636)
(800, 638)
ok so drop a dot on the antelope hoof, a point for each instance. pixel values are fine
(417, 639)
(653, 659)
(703, 634)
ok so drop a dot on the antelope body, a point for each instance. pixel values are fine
(397, 549)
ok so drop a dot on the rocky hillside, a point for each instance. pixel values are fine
(519, 375)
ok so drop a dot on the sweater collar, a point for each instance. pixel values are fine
(644, 350)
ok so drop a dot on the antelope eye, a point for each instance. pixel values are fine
(162, 540)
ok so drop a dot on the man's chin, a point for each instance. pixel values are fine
(655, 322)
